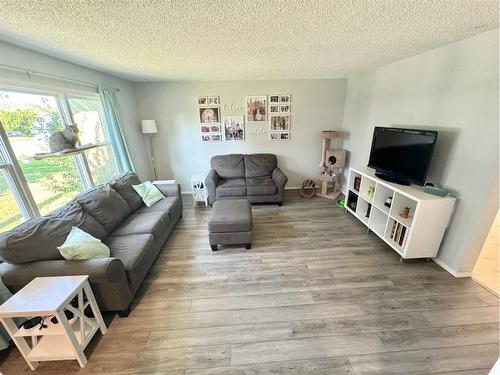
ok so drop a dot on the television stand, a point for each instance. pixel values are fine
(392, 178)
(416, 234)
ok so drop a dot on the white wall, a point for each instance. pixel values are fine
(316, 105)
(453, 89)
(24, 58)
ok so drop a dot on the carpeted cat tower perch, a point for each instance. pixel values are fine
(331, 164)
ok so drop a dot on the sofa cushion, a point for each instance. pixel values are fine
(152, 222)
(260, 165)
(81, 219)
(122, 184)
(135, 251)
(38, 238)
(229, 166)
(261, 186)
(106, 206)
(231, 188)
(172, 205)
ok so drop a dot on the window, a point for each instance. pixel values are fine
(10, 214)
(29, 120)
(87, 115)
(29, 187)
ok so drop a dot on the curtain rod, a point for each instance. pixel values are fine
(29, 72)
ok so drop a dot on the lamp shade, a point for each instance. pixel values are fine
(149, 126)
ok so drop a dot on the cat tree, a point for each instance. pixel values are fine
(331, 164)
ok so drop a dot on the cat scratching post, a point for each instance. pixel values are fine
(332, 162)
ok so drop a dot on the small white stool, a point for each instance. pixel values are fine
(200, 192)
(48, 297)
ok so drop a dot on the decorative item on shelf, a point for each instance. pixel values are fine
(405, 213)
(308, 189)
(370, 192)
(368, 210)
(388, 202)
(435, 190)
(200, 192)
(149, 128)
(357, 183)
(331, 164)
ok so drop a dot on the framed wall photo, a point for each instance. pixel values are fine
(274, 136)
(213, 100)
(205, 129)
(285, 108)
(274, 109)
(205, 138)
(234, 128)
(209, 115)
(274, 99)
(284, 136)
(285, 98)
(279, 123)
(215, 128)
(256, 108)
(202, 100)
(216, 137)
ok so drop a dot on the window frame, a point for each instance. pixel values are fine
(10, 167)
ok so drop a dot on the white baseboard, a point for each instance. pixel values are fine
(451, 270)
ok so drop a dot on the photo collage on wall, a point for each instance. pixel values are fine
(210, 118)
(279, 117)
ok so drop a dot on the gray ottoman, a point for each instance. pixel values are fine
(230, 223)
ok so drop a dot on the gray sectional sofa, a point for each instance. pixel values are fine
(255, 177)
(112, 212)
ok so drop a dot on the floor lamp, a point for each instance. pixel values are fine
(149, 128)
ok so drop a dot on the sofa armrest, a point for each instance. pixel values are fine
(107, 278)
(280, 179)
(100, 270)
(211, 182)
(169, 190)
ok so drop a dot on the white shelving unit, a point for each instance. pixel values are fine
(419, 235)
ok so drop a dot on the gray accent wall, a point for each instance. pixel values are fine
(453, 89)
(316, 105)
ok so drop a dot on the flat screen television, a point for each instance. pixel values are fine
(402, 156)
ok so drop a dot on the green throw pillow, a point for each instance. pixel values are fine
(149, 193)
(80, 245)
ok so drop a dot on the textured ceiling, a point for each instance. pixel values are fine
(240, 39)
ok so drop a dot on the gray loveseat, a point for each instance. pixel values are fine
(112, 212)
(255, 177)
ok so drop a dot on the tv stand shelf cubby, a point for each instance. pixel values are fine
(419, 234)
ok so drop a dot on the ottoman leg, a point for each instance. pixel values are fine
(214, 247)
(248, 246)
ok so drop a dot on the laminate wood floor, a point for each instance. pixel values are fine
(316, 294)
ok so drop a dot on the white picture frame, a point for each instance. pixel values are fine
(234, 128)
(256, 109)
(280, 123)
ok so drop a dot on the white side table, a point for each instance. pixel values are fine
(200, 192)
(48, 297)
